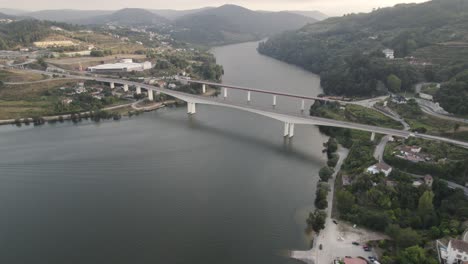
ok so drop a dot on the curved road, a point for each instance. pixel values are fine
(288, 117)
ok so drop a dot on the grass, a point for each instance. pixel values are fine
(359, 114)
(29, 100)
(434, 126)
(31, 91)
(19, 76)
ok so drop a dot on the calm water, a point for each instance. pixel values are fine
(219, 187)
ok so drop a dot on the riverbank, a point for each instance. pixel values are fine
(137, 106)
(311, 256)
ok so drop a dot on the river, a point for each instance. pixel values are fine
(219, 187)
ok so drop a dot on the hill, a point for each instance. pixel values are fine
(27, 31)
(346, 50)
(5, 16)
(313, 14)
(12, 12)
(126, 17)
(66, 15)
(230, 23)
(175, 14)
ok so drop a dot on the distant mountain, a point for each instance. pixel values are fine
(175, 14)
(12, 12)
(66, 15)
(230, 24)
(313, 14)
(126, 17)
(5, 16)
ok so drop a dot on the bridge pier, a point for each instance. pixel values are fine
(125, 87)
(150, 95)
(291, 130)
(191, 108)
(225, 92)
(274, 100)
(138, 90)
(372, 138)
(248, 96)
(204, 88)
(288, 129)
(112, 85)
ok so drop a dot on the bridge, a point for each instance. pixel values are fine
(289, 119)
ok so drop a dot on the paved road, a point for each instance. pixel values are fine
(291, 117)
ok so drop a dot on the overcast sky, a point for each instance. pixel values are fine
(330, 7)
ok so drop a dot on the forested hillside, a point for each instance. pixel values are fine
(430, 42)
(25, 32)
(230, 23)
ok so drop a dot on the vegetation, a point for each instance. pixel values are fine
(347, 51)
(454, 94)
(447, 162)
(316, 220)
(424, 123)
(25, 32)
(230, 24)
(353, 113)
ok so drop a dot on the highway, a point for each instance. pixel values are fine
(298, 117)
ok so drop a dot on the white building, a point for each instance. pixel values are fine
(380, 168)
(124, 65)
(389, 53)
(426, 96)
(456, 252)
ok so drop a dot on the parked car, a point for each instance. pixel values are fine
(335, 222)
(320, 247)
(355, 243)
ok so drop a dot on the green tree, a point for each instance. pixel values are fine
(325, 173)
(425, 205)
(346, 201)
(394, 83)
(316, 220)
(415, 255)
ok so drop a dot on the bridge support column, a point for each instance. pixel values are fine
(204, 88)
(125, 87)
(225, 92)
(303, 105)
(112, 85)
(248, 96)
(291, 130)
(372, 138)
(286, 129)
(191, 108)
(150, 95)
(138, 90)
(274, 100)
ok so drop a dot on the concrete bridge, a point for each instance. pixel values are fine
(289, 119)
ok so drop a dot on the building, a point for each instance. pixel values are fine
(354, 261)
(389, 53)
(428, 180)
(54, 43)
(454, 253)
(380, 168)
(426, 96)
(124, 65)
(398, 99)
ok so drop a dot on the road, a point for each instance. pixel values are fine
(298, 118)
(336, 239)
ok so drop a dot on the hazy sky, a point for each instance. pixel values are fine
(331, 7)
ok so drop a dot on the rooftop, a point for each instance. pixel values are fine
(354, 261)
(459, 245)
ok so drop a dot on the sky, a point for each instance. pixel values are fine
(329, 7)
